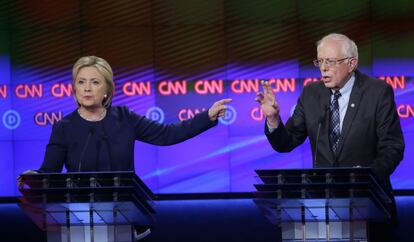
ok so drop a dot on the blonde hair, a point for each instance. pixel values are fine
(103, 68)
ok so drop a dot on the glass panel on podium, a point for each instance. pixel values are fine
(96, 206)
(322, 204)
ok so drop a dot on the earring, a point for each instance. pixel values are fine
(105, 96)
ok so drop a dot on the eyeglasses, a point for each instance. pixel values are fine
(331, 62)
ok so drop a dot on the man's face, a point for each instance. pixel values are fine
(336, 68)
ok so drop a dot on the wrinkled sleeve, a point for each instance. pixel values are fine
(152, 132)
(287, 137)
(390, 145)
(56, 151)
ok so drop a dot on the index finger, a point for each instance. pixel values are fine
(266, 87)
(224, 101)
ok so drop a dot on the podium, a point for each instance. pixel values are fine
(87, 207)
(324, 204)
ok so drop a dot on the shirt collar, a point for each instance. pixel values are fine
(347, 88)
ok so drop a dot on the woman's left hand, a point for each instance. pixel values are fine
(20, 182)
(218, 109)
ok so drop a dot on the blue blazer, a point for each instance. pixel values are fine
(108, 145)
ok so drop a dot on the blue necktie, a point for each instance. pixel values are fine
(334, 128)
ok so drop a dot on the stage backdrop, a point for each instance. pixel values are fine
(173, 59)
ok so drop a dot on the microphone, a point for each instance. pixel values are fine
(320, 121)
(98, 154)
(105, 138)
(90, 133)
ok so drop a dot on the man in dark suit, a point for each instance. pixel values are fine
(350, 118)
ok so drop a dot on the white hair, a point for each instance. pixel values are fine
(349, 48)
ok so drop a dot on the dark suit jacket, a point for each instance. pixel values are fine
(108, 145)
(371, 135)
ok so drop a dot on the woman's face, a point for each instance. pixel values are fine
(90, 87)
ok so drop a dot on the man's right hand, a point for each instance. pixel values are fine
(269, 105)
(20, 182)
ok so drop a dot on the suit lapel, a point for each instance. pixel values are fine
(324, 103)
(353, 105)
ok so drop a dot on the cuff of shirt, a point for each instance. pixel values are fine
(270, 129)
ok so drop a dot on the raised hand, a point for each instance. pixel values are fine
(268, 104)
(218, 109)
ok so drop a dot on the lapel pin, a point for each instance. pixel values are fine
(352, 105)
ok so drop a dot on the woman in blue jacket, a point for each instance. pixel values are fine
(99, 137)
